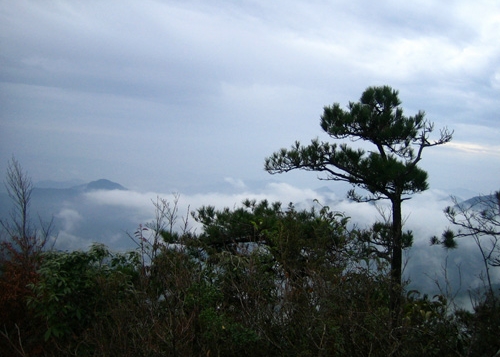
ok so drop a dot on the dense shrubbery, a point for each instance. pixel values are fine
(258, 280)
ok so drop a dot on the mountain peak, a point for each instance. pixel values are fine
(103, 184)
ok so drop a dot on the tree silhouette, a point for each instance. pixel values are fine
(388, 172)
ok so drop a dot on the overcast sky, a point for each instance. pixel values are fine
(173, 95)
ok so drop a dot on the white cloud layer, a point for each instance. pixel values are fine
(423, 215)
(70, 219)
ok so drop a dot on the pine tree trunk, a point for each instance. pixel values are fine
(396, 260)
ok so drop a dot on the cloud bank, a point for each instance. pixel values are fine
(425, 264)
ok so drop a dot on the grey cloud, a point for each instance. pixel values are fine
(165, 94)
(70, 219)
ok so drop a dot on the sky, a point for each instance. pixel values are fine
(182, 95)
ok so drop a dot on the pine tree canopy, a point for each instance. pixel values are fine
(390, 170)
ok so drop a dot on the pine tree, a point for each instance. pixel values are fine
(388, 172)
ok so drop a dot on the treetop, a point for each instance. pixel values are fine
(390, 170)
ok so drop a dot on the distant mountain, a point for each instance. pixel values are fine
(77, 219)
(480, 203)
(49, 196)
(101, 184)
(79, 185)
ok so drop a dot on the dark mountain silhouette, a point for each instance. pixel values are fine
(479, 203)
(50, 199)
(78, 185)
(101, 184)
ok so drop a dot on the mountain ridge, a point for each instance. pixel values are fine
(76, 185)
(101, 184)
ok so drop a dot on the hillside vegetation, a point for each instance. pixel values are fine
(259, 279)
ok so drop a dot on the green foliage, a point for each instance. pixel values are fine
(67, 296)
(224, 336)
(430, 328)
(265, 224)
(482, 326)
(258, 280)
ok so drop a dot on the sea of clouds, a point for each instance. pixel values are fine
(112, 217)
